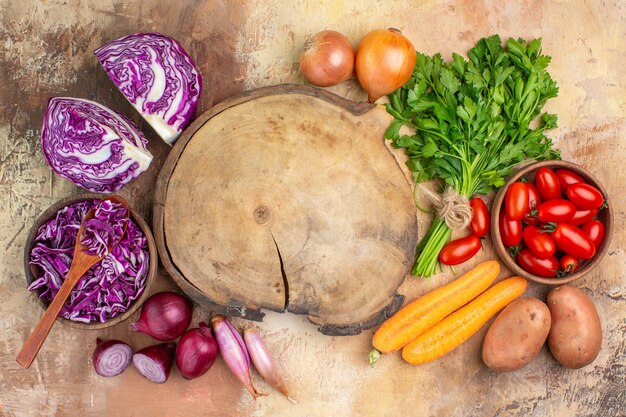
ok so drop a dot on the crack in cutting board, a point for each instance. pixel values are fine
(287, 199)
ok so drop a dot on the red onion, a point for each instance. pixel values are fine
(164, 316)
(155, 362)
(196, 352)
(234, 352)
(264, 362)
(111, 357)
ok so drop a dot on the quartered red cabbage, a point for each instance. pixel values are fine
(109, 287)
(105, 228)
(91, 145)
(157, 76)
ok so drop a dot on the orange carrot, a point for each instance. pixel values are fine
(423, 313)
(459, 326)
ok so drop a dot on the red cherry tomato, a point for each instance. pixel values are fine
(585, 196)
(569, 264)
(558, 210)
(538, 242)
(595, 230)
(582, 217)
(567, 177)
(479, 225)
(510, 230)
(533, 201)
(459, 250)
(546, 268)
(573, 241)
(547, 184)
(516, 201)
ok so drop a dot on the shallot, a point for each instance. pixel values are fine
(234, 352)
(111, 357)
(264, 362)
(164, 316)
(196, 352)
(155, 362)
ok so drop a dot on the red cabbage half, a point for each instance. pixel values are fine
(91, 145)
(109, 287)
(158, 78)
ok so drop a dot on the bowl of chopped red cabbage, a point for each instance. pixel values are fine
(113, 288)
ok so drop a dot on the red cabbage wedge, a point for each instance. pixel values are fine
(158, 78)
(91, 145)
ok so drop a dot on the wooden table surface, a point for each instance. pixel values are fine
(46, 50)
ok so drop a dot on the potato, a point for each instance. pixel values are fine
(576, 335)
(516, 335)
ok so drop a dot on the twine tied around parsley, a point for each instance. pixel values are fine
(451, 207)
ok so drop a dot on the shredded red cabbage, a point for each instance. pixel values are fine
(105, 228)
(109, 287)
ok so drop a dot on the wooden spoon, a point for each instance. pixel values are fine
(81, 262)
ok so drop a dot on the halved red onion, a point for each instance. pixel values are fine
(111, 357)
(155, 362)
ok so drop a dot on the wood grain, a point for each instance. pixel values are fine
(288, 200)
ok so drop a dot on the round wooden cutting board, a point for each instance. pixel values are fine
(286, 198)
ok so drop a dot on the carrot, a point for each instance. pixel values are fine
(423, 313)
(459, 326)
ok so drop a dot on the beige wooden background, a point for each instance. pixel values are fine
(46, 50)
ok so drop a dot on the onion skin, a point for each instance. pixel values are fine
(264, 362)
(327, 59)
(385, 60)
(196, 352)
(155, 362)
(111, 357)
(164, 316)
(236, 357)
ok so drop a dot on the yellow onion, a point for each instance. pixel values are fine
(385, 60)
(327, 59)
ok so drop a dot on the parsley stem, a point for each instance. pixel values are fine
(428, 255)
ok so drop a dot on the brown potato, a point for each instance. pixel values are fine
(516, 335)
(576, 335)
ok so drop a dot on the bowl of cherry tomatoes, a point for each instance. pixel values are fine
(551, 222)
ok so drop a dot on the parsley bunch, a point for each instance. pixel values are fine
(474, 121)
